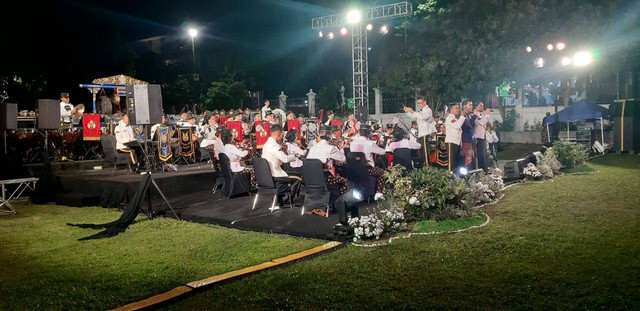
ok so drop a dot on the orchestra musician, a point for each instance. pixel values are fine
(361, 143)
(235, 155)
(453, 135)
(467, 152)
(124, 134)
(293, 147)
(426, 126)
(66, 109)
(330, 116)
(350, 127)
(275, 156)
(480, 133)
(265, 109)
(400, 141)
(329, 153)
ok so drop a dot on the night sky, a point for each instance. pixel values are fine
(74, 42)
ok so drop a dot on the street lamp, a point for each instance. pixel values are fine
(193, 33)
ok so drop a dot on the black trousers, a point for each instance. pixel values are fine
(454, 155)
(481, 154)
(286, 185)
(424, 149)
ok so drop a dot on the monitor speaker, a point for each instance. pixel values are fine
(48, 114)
(8, 116)
(144, 103)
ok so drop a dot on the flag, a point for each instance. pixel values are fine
(164, 144)
(185, 135)
(138, 131)
(294, 124)
(262, 132)
(336, 122)
(91, 126)
(236, 129)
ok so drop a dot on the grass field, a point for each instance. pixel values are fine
(573, 243)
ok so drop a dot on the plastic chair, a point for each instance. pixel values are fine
(315, 186)
(234, 183)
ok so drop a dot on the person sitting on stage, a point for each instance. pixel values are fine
(328, 154)
(272, 152)
(238, 118)
(301, 118)
(66, 109)
(453, 136)
(235, 155)
(124, 134)
(413, 132)
(293, 148)
(269, 118)
(330, 116)
(360, 143)
(154, 128)
(401, 142)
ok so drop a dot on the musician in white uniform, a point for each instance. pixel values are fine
(361, 143)
(330, 117)
(294, 149)
(265, 109)
(124, 134)
(480, 133)
(66, 109)
(426, 126)
(235, 155)
(453, 138)
(272, 152)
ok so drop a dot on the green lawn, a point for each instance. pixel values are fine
(45, 267)
(569, 244)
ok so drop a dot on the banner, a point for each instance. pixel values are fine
(223, 120)
(185, 135)
(442, 153)
(294, 124)
(138, 131)
(262, 132)
(336, 122)
(164, 144)
(91, 126)
(236, 129)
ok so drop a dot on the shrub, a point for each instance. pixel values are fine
(388, 217)
(550, 159)
(532, 172)
(570, 155)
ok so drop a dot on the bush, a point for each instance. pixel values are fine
(532, 172)
(388, 217)
(570, 155)
(510, 118)
(550, 159)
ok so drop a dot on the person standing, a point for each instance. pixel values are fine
(466, 147)
(453, 136)
(480, 132)
(426, 126)
(266, 109)
(66, 109)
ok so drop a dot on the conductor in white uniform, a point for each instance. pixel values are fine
(426, 126)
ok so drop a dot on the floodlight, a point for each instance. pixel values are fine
(463, 171)
(529, 49)
(348, 202)
(560, 46)
(566, 61)
(354, 17)
(550, 47)
(582, 59)
(369, 26)
(320, 34)
(343, 31)
(193, 32)
(539, 62)
(330, 35)
(384, 29)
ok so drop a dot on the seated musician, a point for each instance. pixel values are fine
(245, 128)
(124, 134)
(350, 127)
(400, 141)
(328, 153)
(330, 116)
(154, 128)
(272, 152)
(294, 148)
(361, 143)
(235, 156)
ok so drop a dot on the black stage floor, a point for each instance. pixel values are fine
(207, 207)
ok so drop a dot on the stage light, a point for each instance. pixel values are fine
(193, 32)
(320, 34)
(369, 26)
(550, 47)
(354, 17)
(348, 202)
(582, 59)
(463, 171)
(560, 46)
(330, 35)
(529, 49)
(539, 62)
(343, 31)
(384, 29)
(566, 61)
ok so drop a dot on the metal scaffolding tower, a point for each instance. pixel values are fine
(359, 47)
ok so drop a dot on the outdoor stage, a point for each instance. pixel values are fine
(190, 195)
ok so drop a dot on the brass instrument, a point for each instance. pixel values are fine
(79, 112)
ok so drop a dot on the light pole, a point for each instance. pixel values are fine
(193, 33)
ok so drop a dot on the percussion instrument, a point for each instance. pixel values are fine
(79, 112)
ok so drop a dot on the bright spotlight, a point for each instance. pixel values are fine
(369, 26)
(529, 49)
(539, 62)
(384, 29)
(343, 31)
(330, 35)
(582, 59)
(560, 46)
(357, 194)
(320, 34)
(348, 202)
(353, 17)
(550, 47)
(566, 61)
(193, 32)
(463, 171)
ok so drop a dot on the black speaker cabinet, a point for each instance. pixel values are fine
(8, 116)
(144, 103)
(626, 128)
(48, 114)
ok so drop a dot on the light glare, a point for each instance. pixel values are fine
(582, 59)
(343, 31)
(560, 46)
(193, 32)
(550, 47)
(320, 34)
(330, 35)
(384, 29)
(529, 49)
(566, 61)
(369, 26)
(353, 17)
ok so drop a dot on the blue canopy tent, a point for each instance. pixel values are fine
(581, 110)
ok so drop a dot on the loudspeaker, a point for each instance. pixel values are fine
(626, 128)
(144, 103)
(48, 114)
(8, 116)
(514, 169)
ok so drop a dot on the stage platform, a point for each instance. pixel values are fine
(207, 207)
